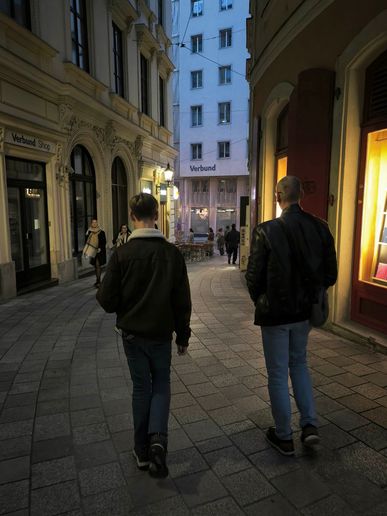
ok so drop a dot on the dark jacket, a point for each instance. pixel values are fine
(282, 287)
(146, 284)
(101, 245)
(232, 239)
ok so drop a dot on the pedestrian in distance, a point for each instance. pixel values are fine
(191, 236)
(291, 258)
(220, 241)
(226, 232)
(95, 249)
(146, 284)
(211, 239)
(232, 242)
(123, 235)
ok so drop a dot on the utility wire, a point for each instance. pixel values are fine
(215, 37)
(186, 27)
(183, 45)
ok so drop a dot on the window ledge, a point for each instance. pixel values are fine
(122, 106)
(83, 80)
(145, 38)
(162, 37)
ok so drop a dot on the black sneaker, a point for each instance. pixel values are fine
(309, 435)
(286, 447)
(142, 458)
(157, 456)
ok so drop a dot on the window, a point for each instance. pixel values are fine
(200, 186)
(162, 101)
(225, 5)
(196, 151)
(160, 5)
(80, 53)
(224, 74)
(223, 150)
(144, 66)
(196, 116)
(118, 61)
(197, 43)
(224, 112)
(225, 38)
(196, 8)
(197, 79)
(19, 10)
(119, 195)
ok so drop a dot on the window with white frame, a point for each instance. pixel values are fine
(197, 43)
(196, 8)
(196, 151)
(196, 79)
(225, 74)
(225, 5)
(196, 116)
(224, 109)
(223, 150)
(225, 38)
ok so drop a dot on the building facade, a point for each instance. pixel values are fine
(85, 122)
(318, 76)
(210, 96)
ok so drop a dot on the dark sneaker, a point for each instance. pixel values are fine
(142, 458)
(286, 447)
(157, 456)
(309, 435)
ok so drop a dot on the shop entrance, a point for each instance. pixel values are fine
(27, 212)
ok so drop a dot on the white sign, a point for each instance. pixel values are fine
(32, 142)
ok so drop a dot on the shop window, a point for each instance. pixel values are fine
(373, 259)
(80, 53)
(119, 195)
(19, 10)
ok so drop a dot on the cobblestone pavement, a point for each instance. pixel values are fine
(66, 425)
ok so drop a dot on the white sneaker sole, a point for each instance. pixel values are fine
(311, 440)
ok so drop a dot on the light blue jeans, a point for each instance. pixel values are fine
(285, 352)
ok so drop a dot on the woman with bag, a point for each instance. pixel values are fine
(95, 249)
(123, 235)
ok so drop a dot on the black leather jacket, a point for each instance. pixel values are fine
(280, 285)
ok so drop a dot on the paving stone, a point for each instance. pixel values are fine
(377, 415)
(90, 433)
(94, 454)
(215, 443)
(359, 369)
(274, 505)
(226, 415)
(250, 404)
(202, 430)
(377, 379)
(224, 380)
(52, 449)
(17, 414)
(46, 408)
(333, 437)
(55, 499)
(225, 507)
(87, 417)
(193, 378)
(233, 392)
(213, 401)
(182, 400)
(116, 502)
(13, 496)
(347, 419)
(226, 461)
(248, 486)
(371, 391)
(368, 462)
(146, 488)
(382, 401)
(185, 462)
(53, 472)
(350, 380)
(16, 429)
(85, 402)
(49, 427)
(301, 488)
(120, 422)
(171, 506)
(101, 478)
(331, 506)
(178, 440)
(329, 369)
(335, 390)
(272, 464)
(358, 403)
(372, 435)
(17, 447)
(325, 405)
(199, 488)
(250, 441)
(238, 426)
(15, 469)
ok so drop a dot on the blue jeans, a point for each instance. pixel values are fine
(149, 365)
(285, 351)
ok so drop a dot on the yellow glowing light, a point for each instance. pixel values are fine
(282, 168)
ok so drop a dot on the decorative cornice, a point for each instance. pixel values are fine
(145, 38)
(2, 138)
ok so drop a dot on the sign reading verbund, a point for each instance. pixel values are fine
(201, 168)
(32, 142)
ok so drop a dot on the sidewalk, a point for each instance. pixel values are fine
(66, 425)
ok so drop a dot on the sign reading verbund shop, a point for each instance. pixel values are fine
(26, 140)
(201, 168)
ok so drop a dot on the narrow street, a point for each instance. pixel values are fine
(66, 425)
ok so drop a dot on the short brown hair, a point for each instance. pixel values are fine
(144, 206)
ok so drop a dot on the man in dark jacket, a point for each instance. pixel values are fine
(146, 284)
(232, 241)
(291, 257)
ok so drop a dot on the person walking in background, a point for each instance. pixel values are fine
(123, 235)
(95, 249)
(146, 284)
(226, 232)
(232, 242)
(191, 236)
(282, 252)
(220, 241)
(211, 238)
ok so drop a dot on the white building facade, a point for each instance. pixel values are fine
(210, 96)
(85, 123)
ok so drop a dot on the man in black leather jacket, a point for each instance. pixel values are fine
(146, 284)
(290, 258)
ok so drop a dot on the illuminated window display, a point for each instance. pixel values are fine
(373, 259)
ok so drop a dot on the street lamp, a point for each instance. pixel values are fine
(168, 175)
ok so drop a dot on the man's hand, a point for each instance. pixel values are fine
(181, 350)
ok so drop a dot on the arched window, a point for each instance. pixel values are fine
(82, 197)
(281, 148)
(119, 195)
